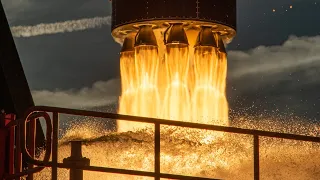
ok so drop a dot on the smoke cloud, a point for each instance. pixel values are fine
(272, 64)
(60, 27)
(102, 93)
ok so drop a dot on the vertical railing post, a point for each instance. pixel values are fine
(256, 157)
(157, 151)
(75, 160)
(11, 151)
(55, 130)
(18, 155)
(31, 144)
(3, 142)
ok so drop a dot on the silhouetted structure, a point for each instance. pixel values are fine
(15, 95)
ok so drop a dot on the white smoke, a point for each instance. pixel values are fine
(296, 52)
(60, 27)
(270, 65)
(102, 93)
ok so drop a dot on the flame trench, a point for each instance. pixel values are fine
(174, 80)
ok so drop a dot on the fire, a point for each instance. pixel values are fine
(140, 95)
(209, 100)
(177, 98)
(175, 82)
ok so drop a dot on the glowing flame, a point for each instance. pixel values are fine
(177, 99)
(187, 85)
(140, 96)
(209, 101)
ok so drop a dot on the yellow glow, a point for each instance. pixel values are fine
(177, 100)
(140, 96)
(209, 102)
(178, 83)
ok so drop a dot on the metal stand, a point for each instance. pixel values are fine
(76, 160)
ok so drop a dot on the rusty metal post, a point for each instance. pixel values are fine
(55, 134)
(31, 144)
(256, 159)
(7, 140)
(3, 135)
(75, 160)
(18, 155)
(157, 151)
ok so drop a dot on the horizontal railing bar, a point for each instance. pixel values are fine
(107, 170)
(126, 172)
(24, 173)
(172, 176)
(174, 123)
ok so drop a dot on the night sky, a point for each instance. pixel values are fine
(274, 62)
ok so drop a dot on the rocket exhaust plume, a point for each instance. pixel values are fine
(139, 70)
(60, 27)
(177, 69)
(210, 70)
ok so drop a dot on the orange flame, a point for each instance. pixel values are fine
(187, 85)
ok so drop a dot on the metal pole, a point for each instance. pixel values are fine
(11, 146)
(157, 151)
(55, 124)
(256, 157)
(76, 160)
(18, 156)
(3, 135)
(31, 144)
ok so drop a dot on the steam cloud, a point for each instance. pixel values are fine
(246, 68)
(266, 65)
(295, 52)
(102, 93)
(60, 27)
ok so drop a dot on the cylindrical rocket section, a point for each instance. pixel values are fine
(129, 16)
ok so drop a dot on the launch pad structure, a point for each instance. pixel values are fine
(21, 133)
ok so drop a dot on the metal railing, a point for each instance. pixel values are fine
(52, 142)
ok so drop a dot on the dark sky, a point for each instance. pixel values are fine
(274, 62)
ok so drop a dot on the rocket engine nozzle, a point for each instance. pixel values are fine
(145, 37)
(206, 38)
(183, 16)
(176, 36)
(128, 44)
